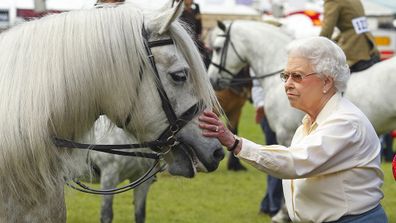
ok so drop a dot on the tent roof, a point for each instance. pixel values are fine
(225, 7)
(210, 6)
(206, 6)
(50, 4)
(372, 7)
(379, 7)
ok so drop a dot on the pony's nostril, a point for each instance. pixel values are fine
(218, 154)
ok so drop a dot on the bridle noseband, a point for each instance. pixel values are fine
(166, 139)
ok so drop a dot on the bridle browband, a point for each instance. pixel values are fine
(223, 59)
(166, 139)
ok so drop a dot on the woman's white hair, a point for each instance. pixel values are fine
(326, 57)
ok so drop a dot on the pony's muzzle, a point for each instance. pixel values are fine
(218, 155)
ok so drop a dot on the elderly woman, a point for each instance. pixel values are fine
(331, 172)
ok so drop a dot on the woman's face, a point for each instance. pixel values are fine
(304, 88)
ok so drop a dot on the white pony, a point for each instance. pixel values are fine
(263, 47)
(59, 73)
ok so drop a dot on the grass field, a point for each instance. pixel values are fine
(219, 197)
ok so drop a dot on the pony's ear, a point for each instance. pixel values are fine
(221, 25)
(168, 17)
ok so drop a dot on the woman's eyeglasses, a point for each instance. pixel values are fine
(295, 76)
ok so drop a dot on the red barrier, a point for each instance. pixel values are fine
(393, 134)
(394, 167)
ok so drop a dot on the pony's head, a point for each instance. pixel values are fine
(227, 58)
(173, 89)
(61, 72)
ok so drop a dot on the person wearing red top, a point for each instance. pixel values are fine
(394, 166)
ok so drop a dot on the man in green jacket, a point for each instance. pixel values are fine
(354, 38)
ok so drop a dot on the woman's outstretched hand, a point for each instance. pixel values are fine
(213, 127)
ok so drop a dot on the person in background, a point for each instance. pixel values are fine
(331, 171)
(354, 38)
(387, 146)
(273, 200)
(192, 16)
(357, 42)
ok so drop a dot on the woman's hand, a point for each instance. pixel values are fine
(260, 114)
(213, 127)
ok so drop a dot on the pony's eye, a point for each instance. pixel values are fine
(179, 76)
(217, 49)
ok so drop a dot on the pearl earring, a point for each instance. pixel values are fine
(324, 91)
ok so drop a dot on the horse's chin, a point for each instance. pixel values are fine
(189, 157)
(182, 161)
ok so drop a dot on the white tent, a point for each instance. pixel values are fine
(209, 6)
(376, 8)
(372, 7)
(61, 5)
(225, 7)
(50, 4)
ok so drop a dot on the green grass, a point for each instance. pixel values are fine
(218, 197)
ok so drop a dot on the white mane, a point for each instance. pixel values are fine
(57, 75)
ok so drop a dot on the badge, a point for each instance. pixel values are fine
(360, 25)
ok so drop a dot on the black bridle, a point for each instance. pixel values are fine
(223, 57)
(233, 79)
(166, 139)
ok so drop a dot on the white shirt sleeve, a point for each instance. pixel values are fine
(258, 93)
